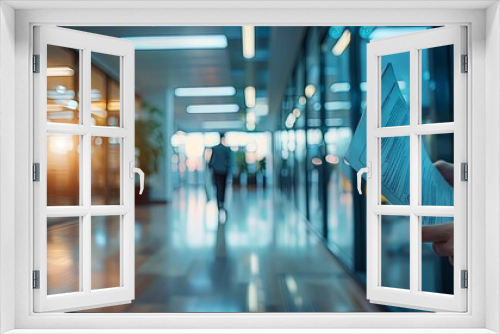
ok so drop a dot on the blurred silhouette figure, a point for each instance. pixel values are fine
(220, 164)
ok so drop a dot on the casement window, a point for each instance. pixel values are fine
(400, 169)
(476, 237)
(78, 203)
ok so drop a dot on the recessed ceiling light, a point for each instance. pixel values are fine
(248, 33)
(250, 97)
(206, 91)
(212, 108)
(178, 42)
(342, 43)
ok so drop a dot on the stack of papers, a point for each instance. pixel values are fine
(395, 155)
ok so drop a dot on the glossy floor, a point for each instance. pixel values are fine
(263, 259)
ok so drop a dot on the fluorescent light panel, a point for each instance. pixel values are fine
(250, 97)
(206, 91)
(179, 42)
(212, 108)
(248, 33)
(342, 43)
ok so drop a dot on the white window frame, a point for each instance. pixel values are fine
(482, 19)
(85, 43)
(413, 44)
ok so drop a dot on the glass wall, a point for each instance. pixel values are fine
(328, 85)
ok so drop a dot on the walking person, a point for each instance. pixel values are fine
(220, 164)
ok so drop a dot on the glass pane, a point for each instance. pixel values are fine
(437, 254)
(437, 84)
(105, 252)
(63, 255)
(395, 170)
(437, 170)
(105, 90)
(395, 252)
(63, 169)
(105, 171)
(395, 90)
(63, 84)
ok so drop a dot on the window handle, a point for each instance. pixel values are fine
(368, 171)
(133, 170)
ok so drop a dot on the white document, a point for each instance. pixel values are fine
(395, 155)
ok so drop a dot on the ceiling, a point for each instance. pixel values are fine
(158, 71)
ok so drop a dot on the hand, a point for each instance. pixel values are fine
(446, 169)
(442, 239)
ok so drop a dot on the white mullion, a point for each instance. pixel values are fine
(108, 131)
(420, 129)
(69, 129)
(66, 211)
(406, 210)
(108, 210)
(414, 169)
(434, 128)
(85, 107)
(392, 131)
(80, 130)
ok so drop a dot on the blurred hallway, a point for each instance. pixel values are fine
(262, 260)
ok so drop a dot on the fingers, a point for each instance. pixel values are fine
(437, 233)
(446, 169)
(443, 249)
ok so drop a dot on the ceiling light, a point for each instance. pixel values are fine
(342, 43)
(337, 105)
(340, 87)
(251, 117)
(250, 97)
(296, 112)
(310, 90)
(63, 71)
(212, 108)
(206, 91)
(179, 42)
(302, 101)
(248, 33)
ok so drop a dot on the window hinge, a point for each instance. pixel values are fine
(36, 63)
(36, 172)
(465, 64)
(465, 279)
(464, 171)
(36, 279)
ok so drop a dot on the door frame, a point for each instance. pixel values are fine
(483, 103)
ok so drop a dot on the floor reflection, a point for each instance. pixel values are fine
(262, 259)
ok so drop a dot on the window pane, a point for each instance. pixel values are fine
(105, 171)
(395, 90)
(437, 254)
(105, 252)
(105, 90)
(437, 84)
(395, 252)
(63, 255)
(395, 170)
(437, 170)
(63, 169)
(63, 84)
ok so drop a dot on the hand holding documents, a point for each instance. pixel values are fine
(395, 159)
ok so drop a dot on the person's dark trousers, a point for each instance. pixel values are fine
(220, 187)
